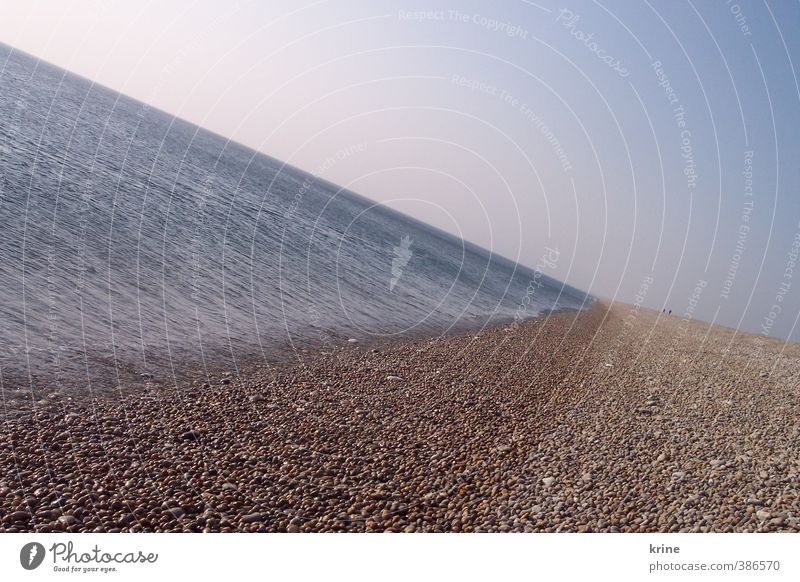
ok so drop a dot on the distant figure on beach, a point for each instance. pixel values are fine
(670, 312)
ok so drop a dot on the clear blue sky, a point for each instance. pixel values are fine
(655, 145)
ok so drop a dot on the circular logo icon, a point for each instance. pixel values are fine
(31, 555)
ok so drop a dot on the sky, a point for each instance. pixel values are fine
(651, 146)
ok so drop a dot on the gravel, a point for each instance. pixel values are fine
(531, 427)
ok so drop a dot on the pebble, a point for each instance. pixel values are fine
(68, 520)
(176, 512)
(763, 514)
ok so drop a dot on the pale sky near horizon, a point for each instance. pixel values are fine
(654, 144)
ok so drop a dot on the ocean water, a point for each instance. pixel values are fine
(136, 243)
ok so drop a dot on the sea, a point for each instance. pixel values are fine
(137, 247)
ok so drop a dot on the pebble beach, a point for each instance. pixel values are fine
(614, 419)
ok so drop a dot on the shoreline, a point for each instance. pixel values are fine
(574, 421)
(56, 394)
